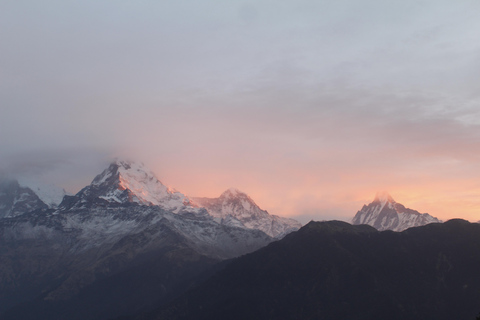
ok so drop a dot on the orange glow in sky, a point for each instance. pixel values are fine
(310, 107)
(306, 196)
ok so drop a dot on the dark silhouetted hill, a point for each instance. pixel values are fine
(333, 270)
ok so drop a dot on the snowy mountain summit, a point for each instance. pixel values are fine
(126, 182)
(235, 208)
(386, 214)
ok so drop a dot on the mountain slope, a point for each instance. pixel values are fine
(50, 262)
(125, 226)
(235, 208)
(333, 270)
(386, 214)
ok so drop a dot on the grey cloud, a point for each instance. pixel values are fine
(71, 168)
(33, 163)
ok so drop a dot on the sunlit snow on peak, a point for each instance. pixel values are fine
(141, 185)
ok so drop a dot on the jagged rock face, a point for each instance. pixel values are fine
(16, 200)
(386, 214)
(235, 208)
(128, 182)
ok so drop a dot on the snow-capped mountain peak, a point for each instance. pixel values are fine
(127, 181)
(236, 208)
(384, 213)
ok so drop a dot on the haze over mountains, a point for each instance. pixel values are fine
(127, 245)
(308, 107)
(126, 227)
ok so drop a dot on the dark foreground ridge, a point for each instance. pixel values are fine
(333, 270)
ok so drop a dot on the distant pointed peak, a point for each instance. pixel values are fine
(383, 197)
(125, 172)
(128, 181)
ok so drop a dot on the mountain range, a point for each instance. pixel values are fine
(128, 247)
(126, 227)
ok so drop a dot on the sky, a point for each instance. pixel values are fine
(308, 106)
